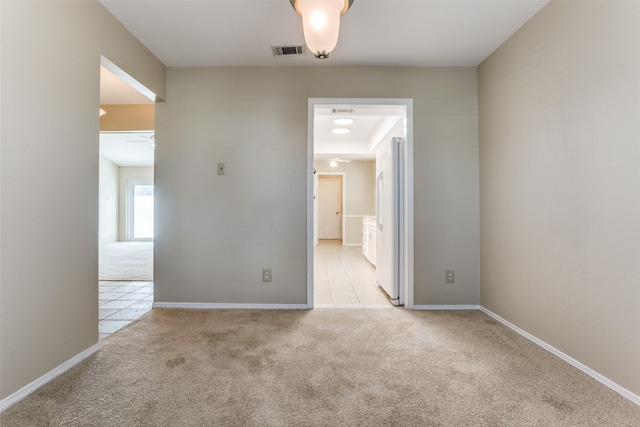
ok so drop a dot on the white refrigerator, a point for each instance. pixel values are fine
(387, 227)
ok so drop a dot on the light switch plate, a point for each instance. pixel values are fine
(221, 169)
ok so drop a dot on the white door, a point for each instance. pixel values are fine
(387, 227)
(329, 210)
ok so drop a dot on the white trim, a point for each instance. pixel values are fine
(406, 249)
(570, 360)
(311, 177)
(209, 306)
(446, 307)
(122, 75)
(36, 384)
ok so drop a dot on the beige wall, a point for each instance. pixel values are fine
(128, 118)
(126, 175)
(360, 194)
(49, 177)
(216, 233)
(559, 111)
(108, 201)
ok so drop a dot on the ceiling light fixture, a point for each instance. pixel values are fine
(333, 164)
(321, 23)
(340, 131)
(343, 121)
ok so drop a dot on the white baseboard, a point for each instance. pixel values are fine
(196, 305)
(352, 244)
(445, 307)
(34, 385)
(570, 360)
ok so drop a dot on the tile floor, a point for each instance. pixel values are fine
(121, 303)
(342, 277)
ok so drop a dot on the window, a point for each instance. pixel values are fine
(140, 211)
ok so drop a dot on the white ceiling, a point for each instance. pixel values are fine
(127, 148)
(210, 33)
(370, 124)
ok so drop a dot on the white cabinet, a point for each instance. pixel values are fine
(369, 238)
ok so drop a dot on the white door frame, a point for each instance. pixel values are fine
(406, 202)
(343, 189)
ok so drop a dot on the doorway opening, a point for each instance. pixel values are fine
(126, 227)
(350, 138)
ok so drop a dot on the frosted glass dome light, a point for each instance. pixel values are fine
(321, 23)
(343, 121)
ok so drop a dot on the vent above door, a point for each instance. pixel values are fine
(343, 111)
(288, 50)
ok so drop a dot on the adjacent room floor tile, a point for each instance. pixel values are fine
(347, 275)
(128, 314)
(117, 304)
(344, 294)
(103, 314)
(127, 289)
(110, 326)
(121, 303)
(133, 297)
(110, 295)
(141, 304)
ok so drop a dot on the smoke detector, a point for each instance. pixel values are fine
(288, 50)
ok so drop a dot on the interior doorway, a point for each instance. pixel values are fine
(362, 125)
(125, 200)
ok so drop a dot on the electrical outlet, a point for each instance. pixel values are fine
(450, 277)
(266, 274)
(221, 169)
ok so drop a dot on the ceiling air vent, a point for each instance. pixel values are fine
(343, 111)
(288, 50)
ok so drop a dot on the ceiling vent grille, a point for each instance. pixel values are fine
(288, 50)
(343, 111)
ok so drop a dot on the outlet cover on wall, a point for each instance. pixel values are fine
(450, 277)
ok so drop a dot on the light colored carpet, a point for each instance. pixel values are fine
(324, 367)
(126, 261)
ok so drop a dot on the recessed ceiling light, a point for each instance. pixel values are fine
(343, 121)
(340, 131)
